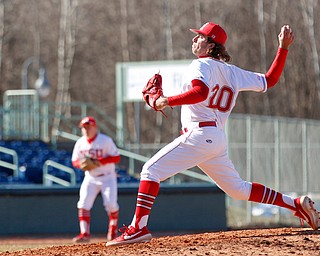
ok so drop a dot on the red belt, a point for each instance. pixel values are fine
(201, 124)
(210, 123)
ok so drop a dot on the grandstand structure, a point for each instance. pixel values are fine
(29, 152)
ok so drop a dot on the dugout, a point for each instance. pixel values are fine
(39, 210)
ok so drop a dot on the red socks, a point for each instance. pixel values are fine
(262, 194)
(148, 191)
(113, 218)
(84, 221)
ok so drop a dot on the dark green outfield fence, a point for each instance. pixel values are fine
(52, 210)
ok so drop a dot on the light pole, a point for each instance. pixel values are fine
(42, 84)
(30, 108)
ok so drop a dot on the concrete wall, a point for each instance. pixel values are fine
(41, 210)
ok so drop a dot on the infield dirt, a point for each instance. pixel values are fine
(276, 241)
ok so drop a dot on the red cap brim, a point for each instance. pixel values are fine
(196, 31)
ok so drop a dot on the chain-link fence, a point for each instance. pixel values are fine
(281, 153)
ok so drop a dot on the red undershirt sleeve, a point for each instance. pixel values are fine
(198, 93)
(110, 159)
(76, 163)
(274, 72)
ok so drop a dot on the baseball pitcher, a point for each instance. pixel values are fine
(208, 95)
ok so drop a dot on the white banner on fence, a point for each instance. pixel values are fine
(136, 75)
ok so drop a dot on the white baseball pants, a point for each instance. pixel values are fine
(205, 147)
(92, 186)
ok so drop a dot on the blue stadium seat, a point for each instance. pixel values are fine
(124, 177)
(9, 159)
(34, 172)
(33, 154)
(79, 176)
(3, 178)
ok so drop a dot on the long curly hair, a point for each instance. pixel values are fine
(218, 51)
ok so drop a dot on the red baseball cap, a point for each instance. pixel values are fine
(212, 30)
(88, 120)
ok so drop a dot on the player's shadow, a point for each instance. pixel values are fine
(307, 232)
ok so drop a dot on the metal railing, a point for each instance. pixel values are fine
(21, 114)
(48, 179)
(79, 110)
(13, 166)
(133, 157)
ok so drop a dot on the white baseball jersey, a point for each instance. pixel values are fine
(225, 81)
(102, 147)
(206, 147)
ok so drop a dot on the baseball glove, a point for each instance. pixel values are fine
(152, 91)
(87, 164)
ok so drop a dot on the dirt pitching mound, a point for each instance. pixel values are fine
(277, 241)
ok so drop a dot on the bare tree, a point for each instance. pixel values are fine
(308, 17)
(36, 30)
(124, 30)
(197, 13)
(130, 107)
(81, 41)
(1, 31)
(263, 48)
(66, 49)
(168, 30)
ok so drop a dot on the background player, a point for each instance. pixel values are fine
(208, 94)
(101, 178)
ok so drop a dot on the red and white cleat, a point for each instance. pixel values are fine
(112, 232)
(306, 212)
(131, 235)
(81, 238)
